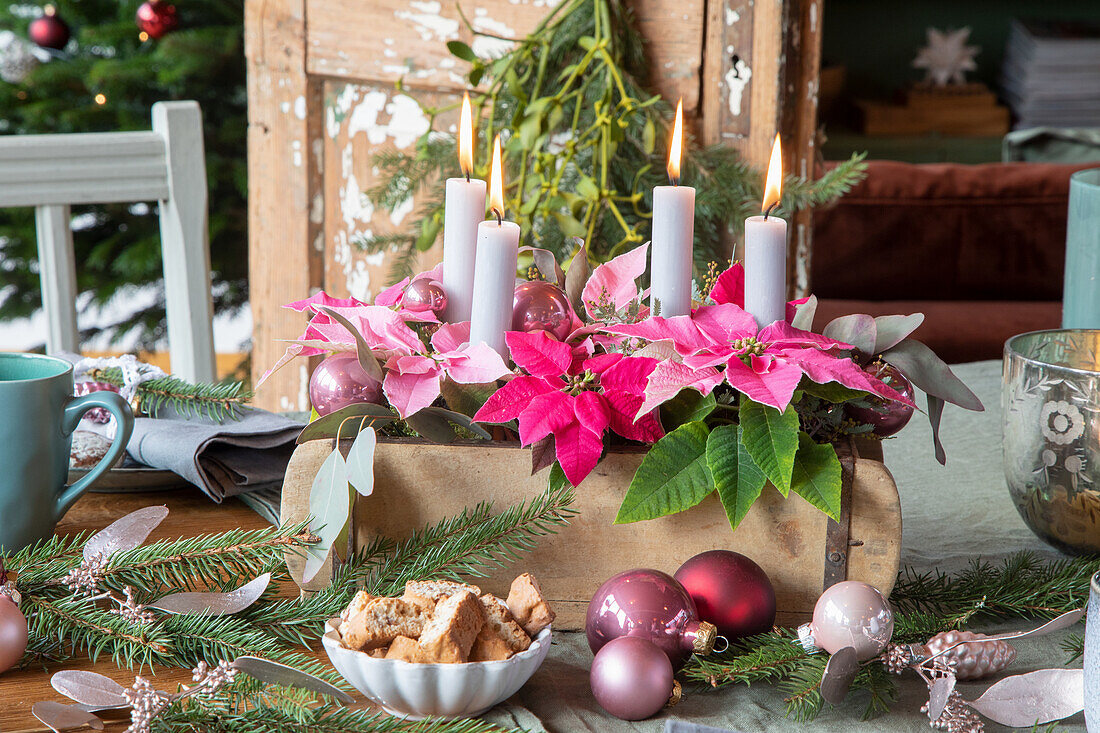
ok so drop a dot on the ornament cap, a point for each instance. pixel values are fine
(806, 638)
(703, 637)
(676, 696)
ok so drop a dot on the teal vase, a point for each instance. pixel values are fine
(1081, 296)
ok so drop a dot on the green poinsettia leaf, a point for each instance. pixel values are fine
(737, 479)
(688, 406)
(771, 438)
(674, 476)
(466, 398)
(816, 475)
(831, 392)
(353, 418)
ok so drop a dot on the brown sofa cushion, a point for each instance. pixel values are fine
(946, 232)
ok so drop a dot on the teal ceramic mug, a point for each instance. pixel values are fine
(38, 414)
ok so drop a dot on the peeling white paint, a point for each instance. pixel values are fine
(389, 53)
(317, 209)
(491, 47)
(296, 152)
(318, 146)
(402, 210)
(364, 118)
(300, 107)
(399, 70)
(813, 17)
(732, 16)
(737, 78)
(407, 121)
(319, 242)
(447, 63)
(427, 21)
(284, 107)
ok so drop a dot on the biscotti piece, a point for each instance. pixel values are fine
(431, 592)
(358, 603)
(382, 621)
(380, 652)
(499, 621)
(489, 646)
(450, 634)
(405, 649)
(528, 606)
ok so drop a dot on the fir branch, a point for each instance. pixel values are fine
(216, 402)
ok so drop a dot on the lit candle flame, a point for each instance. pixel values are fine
(675, 147)
(773, 186)
(466, 138)
(496, 183)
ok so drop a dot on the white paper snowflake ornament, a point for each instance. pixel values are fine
(947, 58)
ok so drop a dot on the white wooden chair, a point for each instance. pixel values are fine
(167, 165)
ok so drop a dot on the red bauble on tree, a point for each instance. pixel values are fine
(157, 18)
(730, 591)
(49, 31)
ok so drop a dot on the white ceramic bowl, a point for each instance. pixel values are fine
(445, 690)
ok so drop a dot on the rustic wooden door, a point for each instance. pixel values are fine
(322, 98)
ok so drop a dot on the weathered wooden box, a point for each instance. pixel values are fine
(418, 483)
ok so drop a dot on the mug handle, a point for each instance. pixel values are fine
(124, 426)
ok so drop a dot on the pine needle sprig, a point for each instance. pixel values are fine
(217, 402)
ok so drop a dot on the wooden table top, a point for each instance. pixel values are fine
(191, 513)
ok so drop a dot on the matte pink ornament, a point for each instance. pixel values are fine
(651, 605)
(542, 306)
(423, 295)
(13, 633)
(631, 678)
(887, 417)
(730, 591)
(852, 614)
(339, 381)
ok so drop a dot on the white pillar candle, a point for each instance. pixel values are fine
(494, 283)
(464, 210)
(766, 269)
(766, 251)
(670, 251)
(670, 259)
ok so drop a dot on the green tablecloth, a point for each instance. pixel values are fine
(950, 514)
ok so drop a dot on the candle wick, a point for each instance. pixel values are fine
(498, 215)
(769, 210)
(674, 180)
(467, 173)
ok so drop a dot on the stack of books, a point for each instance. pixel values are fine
(1051, 74)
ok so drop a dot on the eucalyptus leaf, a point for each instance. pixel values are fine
(275, 673)
(360, 462)
(840, 671)
(771, 438)
(817, 475)
(737, 479)
(328, 509)
(366, 357)
(939, 694)
(673, 476)
(214, 603)
(60, 717)
(857, 329)
(687, 406)
(542, 454)
(931, 374)
(89, 688)
(577, 276)
(326, 428)
(547, 264)
(1034, 698)
(437, 425)
(125, 533)
(892, 330)
(935, 414)
(804, 314)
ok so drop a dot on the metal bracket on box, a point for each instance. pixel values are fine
(837, 534)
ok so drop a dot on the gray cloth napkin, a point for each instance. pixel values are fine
(222, 459)
(682, 726)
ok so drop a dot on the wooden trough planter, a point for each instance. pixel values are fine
(803, 551)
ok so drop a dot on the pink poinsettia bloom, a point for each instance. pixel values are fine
(730, 288)
(575, 400)
(723, 343)
(412, 380)
(613, 285)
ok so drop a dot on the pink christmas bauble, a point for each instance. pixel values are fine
(13, 633)
(887, 417)
(157, 17)
(339, 381)
(730, 591)
(424, 295)
(542, 306)
(631, 678)
(651, 605)
(49, 31)
(850, 613)
(97, 415)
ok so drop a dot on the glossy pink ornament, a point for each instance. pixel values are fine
(424, 295)
(96, 415)
(13, 633)
(631, 678)
(339, 381)
(730, 591)
(542, 306)
(852, 614)
(887, 417)
(651, 605)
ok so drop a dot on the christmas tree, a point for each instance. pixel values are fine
(106, 78)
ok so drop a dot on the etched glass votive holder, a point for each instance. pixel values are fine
(1051, 434)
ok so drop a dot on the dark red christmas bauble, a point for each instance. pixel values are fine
(887, 417)
(157, 17)
(730, 591)
(49, 31)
